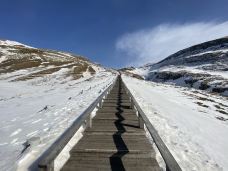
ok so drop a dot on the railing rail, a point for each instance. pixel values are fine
(46, 161)
(171, 163)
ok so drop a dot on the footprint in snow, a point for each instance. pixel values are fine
(45, 108)
(33, 141)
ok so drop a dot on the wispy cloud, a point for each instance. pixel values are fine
(152, 45)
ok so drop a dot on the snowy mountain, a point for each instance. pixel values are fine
(30, 63)
(203, 66)
(41, 93)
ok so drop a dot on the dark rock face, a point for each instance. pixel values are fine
(204, 85)
(168, 75)
(195, 80)
(190, 81)
(219, 89)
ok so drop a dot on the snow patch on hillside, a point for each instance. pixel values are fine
(12, 43)
(189, 121)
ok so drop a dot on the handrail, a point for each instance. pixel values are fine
(46, 161)
(171, 163)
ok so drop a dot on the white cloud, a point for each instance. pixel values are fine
(152, 45)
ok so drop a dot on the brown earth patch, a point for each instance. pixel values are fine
(201, 104)
(222, 111)
(11, 65)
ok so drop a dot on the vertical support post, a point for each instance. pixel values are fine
(132, 103)
(49, 167)
(105, 96)
(135, 109)
(89, 121)
(100, 104)
(141, 122)
(101, 101)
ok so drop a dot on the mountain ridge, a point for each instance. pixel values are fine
(203, 66)
(33, 62)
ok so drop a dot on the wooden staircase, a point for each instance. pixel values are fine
(115, 141)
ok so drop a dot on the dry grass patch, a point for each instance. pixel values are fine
(201, 104)
(91, 70)
(56, 63)
(221, 118)
(37, 74)
(11, 65)
(22, 50)
(77, 71)
(222, 112)
(42, 73)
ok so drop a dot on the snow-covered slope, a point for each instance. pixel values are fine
(29, 63)
(12, 43)
(192, 123)
(41, 93)
(203, 66)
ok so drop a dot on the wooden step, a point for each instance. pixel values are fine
(114, 145)
(112, 116)
(111, 164)
(110, 126)
(123, 105)
(115, 110)
(117, 100)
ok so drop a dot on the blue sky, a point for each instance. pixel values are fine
(114, 33)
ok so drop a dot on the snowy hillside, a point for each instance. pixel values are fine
(192, 123)
(203, 66)
(41, 93)
(30, 63)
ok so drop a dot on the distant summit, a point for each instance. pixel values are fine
(12, 43)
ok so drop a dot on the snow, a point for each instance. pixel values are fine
(140, 71)
(188, 122)
(12, 43)
(37, 111)
(208, 52)
(3, 58)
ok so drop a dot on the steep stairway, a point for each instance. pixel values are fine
(115, 141)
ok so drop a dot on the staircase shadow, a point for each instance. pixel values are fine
(122, 149)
